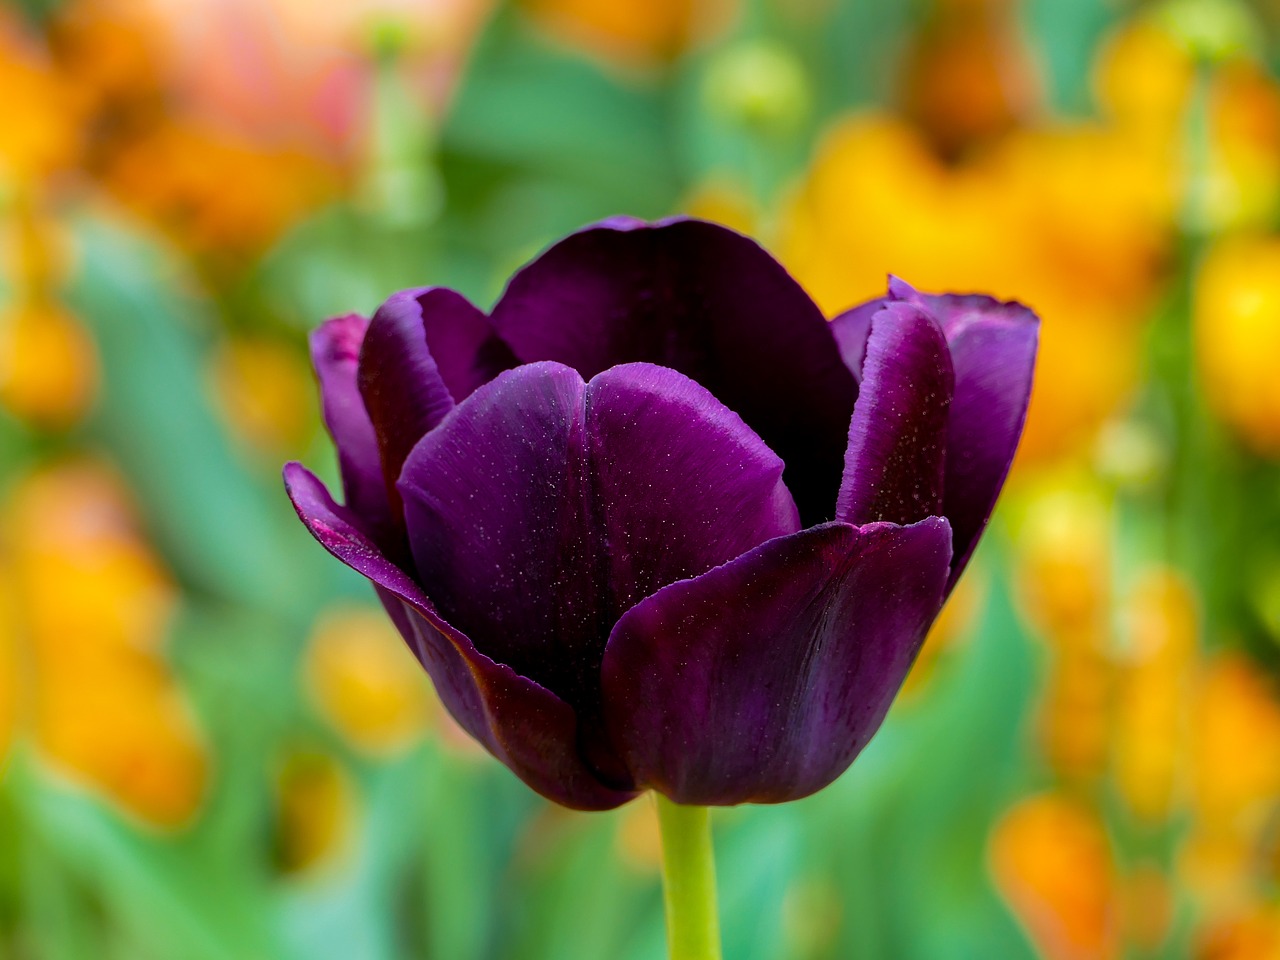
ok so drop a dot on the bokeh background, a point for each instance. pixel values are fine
(212, 745)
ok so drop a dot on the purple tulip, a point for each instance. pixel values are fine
(653, 523)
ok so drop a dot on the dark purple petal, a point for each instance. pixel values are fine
(851, 330)
(466, 350)
(524, 725)
(762, 679)
(683, 483)
(709, 303)
(335, 352)
(545, 507)
(993, 350)
(400, 383)
(898, 435)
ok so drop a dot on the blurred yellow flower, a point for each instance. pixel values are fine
(1063, 535)
(315, 811)
(48, 364)
(638, 841)
(633, 31)
(101, 703)
(9, 685)
(1237, 336)
(365, 681)
(265, 390)
(1149, 739)
(1067, 219)
(1053, 864)
(41, 133)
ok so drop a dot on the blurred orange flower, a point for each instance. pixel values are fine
(1053, 864)
(633, 31)
(99, 700)
(215, 193)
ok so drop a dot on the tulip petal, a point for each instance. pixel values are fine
(523, 724)
(762, 679)
(466, 350)
(544, 507)
(400, 382)
(709, 303)
(894, 465)
(993, 349)
(851, 330)
(335, 352)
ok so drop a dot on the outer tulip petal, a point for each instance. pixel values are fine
(898, 435)
(335, 351)
(523, 724)
(545, 507)
(400, 382)
(709, 303)
(762, 679)
(993, 348)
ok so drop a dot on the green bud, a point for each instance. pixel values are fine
(1212, 30)
(759, 85)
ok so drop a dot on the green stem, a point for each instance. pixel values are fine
(689, 882)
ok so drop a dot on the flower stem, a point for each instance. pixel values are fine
(689, 882)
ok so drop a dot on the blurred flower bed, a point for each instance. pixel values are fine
(211, 743)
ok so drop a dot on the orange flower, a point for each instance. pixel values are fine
(215, 193)
(101, 704)
(1237, 336)
(1052, 862)
(633, 31)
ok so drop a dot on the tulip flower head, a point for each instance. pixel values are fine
(653, 522)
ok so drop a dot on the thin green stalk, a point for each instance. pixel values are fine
(689, 882)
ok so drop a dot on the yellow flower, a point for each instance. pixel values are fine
(365, 681)
(1068, 219)
(48, 364)
(265, 390)
(100, 702)
(1053, 864)
(1063, 534)
(42, 117)
(1149, 738)
(315, 811)
(1237, 336)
